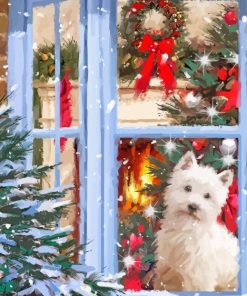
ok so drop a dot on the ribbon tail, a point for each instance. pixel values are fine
(142, 82)
(65, 107)
(167, 76)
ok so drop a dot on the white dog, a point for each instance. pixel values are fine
(194, 252)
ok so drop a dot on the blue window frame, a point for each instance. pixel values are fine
(98, 131)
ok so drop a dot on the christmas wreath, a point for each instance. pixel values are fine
(149, 50)
(173, 19)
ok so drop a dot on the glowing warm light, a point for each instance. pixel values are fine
(204, 60)
(137, 177)
(149, 212)
(128, 261)
(228, 160)
(211, 112)
(170, 147)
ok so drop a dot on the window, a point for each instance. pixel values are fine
(52, 99)
(110, 138)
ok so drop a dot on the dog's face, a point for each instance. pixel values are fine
(196, 193)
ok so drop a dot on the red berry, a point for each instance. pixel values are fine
(199, 144)
(124, 243)
(141, 228)
(231, 18)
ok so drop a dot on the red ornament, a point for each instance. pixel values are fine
(231, 18)
(222, 74)
(132, 283)
(141, 228)
(135, 241)
(176, 34)
(199, 144)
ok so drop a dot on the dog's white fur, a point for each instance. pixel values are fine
(194, 252)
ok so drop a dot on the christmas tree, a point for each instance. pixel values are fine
(36, 255)
(212, 70)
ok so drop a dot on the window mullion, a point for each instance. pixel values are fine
(16, 66)
(63, 132)
(242, 221)
(109, 80)
(82, 120)
(57, 90)
(174, 131)
(94, 141)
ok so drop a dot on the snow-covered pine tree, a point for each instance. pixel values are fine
(36, 254)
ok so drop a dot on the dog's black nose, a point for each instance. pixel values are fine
(193, 207)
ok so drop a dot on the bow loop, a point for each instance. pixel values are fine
(167, 46)
(147, 44)
(159, 52)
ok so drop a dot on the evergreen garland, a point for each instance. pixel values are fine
(44, 61)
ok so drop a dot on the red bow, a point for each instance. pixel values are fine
(159, 51)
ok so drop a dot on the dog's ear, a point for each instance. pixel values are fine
(226, 177)
(186, 162)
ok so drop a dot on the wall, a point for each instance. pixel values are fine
(3, 45)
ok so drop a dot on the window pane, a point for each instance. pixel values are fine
(178, 62)
(44, 154)
(69, 176)
(177, 199)
(43, 67)
(69, 63)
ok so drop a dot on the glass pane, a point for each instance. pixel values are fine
(178, 62)
(181, 194)
(69, 176)
(69, 63)
(44, 154)
(43, 67)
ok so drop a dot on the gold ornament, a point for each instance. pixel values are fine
(51, 69)
(126, 58)
(44, 56)
(138, 62)
(174, 58)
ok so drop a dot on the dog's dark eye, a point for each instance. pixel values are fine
(188, 188)
(207, 196)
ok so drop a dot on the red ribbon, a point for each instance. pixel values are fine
(159, 52)
(65, 106)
